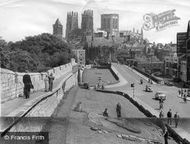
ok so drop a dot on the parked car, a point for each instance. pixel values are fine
(168, 83)
(84, 85)
(148, 89)
(160, 95)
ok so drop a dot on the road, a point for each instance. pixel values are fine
(172, 102)
(74, 127)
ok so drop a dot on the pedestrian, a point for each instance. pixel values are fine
(179, 92)
(161, 115)
(118, 110)
(169, 117)
(46, 81)
(166, 135)
(176, 119)
(27, 84)
(161, 102)
(105, 113)
(51, 78)
(185, 98)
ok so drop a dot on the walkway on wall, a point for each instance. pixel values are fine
(11, 106)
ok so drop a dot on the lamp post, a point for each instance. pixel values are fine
(133, 88)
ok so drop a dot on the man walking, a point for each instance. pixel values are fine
(176, 119)
(27, 85)
(118, 110)
(169, 117)
(51, 78)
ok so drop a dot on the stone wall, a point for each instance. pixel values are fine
(46, 107)
(12, 85)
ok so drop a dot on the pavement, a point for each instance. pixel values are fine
(18, 105)
(146, 99)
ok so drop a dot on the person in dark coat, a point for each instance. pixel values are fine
(51, 78)
(105, 113)
(27, 85)
(118, 110)
(169, 117)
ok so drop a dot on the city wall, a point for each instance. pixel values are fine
(11, 85)
(43, 109)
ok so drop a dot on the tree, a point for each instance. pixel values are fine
(35, 53)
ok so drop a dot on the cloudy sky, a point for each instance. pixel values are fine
(21, 18)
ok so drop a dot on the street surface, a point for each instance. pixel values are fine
(75, 127)
(172, 101)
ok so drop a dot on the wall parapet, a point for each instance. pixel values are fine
(12, 86)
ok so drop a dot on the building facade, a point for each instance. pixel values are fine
(58, 29)
(183, 52)
(72, 22)
(171, 65)
(110, 23)
(80, 55)
(87, 22)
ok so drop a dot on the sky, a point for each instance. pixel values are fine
(22, 18)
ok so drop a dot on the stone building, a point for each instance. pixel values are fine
(87, 22)
(72, 22)
(183, 52)
(58, 29)
(110, 24)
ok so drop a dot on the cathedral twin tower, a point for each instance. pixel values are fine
(72, 24)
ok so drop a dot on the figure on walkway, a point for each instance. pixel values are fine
(176, 119)
(166, 135)
(179, 91)
(118, 110)
(46, 81)
(185, 98)
(141, 81)
(105, 113)
(169, 117)
(51, 78)
(27, 85)
(161, 115)
(161, 103)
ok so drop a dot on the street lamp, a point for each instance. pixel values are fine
(133, 88)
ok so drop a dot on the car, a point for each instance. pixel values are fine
(168, 83)
(84, 85)
(148, 89)
(160, 95)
